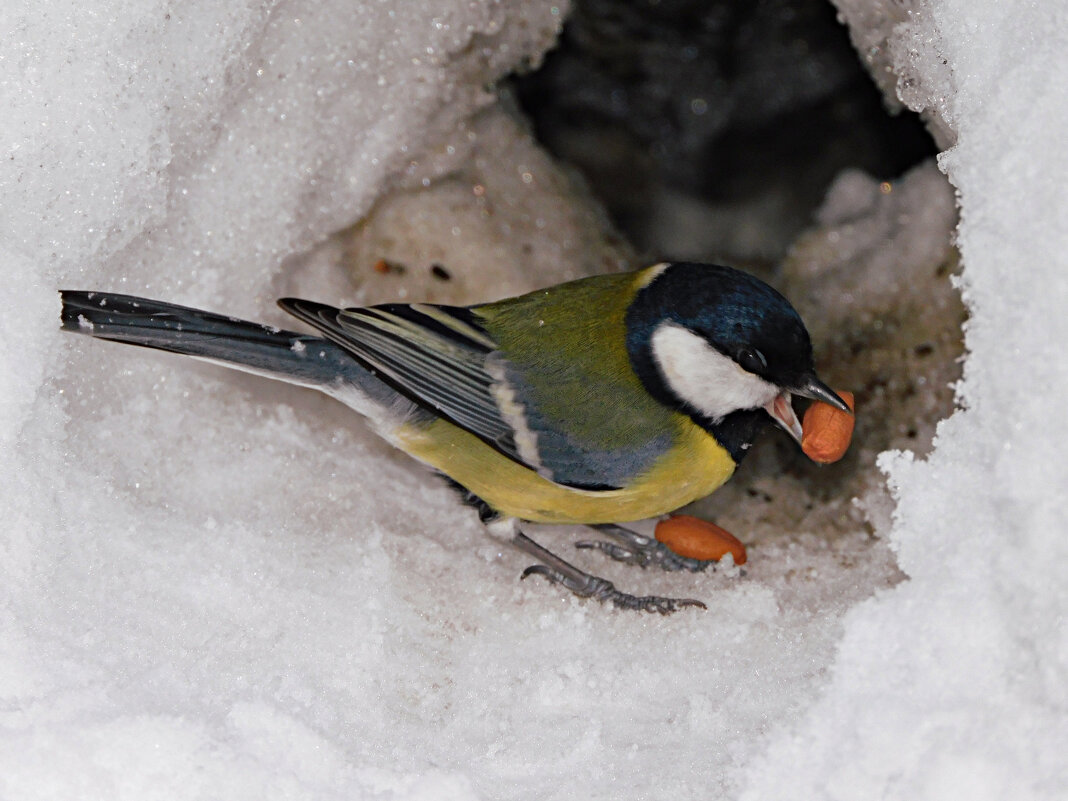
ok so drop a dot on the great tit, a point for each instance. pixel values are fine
(598, 401)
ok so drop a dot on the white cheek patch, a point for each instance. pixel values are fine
(703, 377)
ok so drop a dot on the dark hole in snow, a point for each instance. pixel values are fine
(713, 129)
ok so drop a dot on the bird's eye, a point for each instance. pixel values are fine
(752, 360)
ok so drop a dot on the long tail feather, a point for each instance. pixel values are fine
(251, 347)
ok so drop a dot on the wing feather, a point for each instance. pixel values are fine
(436, 355)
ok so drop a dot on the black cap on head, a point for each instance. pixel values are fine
(736, 313)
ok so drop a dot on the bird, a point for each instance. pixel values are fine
(598, 401)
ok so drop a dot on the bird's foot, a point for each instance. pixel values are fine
(585, 585)
(604, 590)
(637, 549)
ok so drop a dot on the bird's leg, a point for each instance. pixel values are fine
(637, 549)
(588, 586)
(581, 583)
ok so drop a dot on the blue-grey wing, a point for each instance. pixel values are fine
(436, 355)
(444, 360)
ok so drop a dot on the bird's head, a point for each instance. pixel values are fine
(713, 341)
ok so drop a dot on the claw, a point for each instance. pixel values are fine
(650, 603)
(641, 550)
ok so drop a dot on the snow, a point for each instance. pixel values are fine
(215, 587)
(953, 684)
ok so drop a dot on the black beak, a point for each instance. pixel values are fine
(812, 387)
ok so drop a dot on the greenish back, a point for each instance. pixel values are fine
(567, 364)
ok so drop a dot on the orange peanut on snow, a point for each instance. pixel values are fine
(826, 431)
(698, 539)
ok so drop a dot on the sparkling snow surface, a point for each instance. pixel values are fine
(215, 587)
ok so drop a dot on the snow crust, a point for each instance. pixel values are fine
(213, 587)
(952, 685)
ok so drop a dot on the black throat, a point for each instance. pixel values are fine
(737, 431)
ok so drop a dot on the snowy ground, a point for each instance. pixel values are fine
(213, 587)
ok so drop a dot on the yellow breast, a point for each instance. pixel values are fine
(696, 466)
